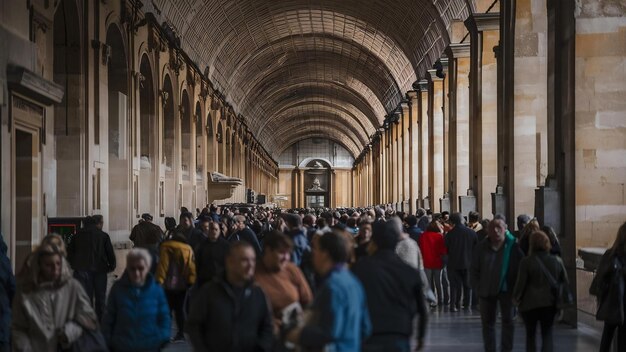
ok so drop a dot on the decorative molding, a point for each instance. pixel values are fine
(487, 21)
(460, 50)
(164, 96)
(33, 85)
(433, 75)
(423, 85)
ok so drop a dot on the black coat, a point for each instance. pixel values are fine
(460, 242)
(7, 291)
(248, 236)
(394, 294)
(222, 320)
(210, 258)
(91, 250)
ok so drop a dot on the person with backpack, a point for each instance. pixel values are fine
(608, 287)
(535, 291)
(176, 272)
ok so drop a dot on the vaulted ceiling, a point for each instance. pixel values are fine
(297, 69)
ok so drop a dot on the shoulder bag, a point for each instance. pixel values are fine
(560, 290)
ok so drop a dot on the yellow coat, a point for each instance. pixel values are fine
(176, 251)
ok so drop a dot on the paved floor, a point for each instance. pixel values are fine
(462, 331)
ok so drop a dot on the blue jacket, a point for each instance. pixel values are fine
(340, 318)
(7, 291)
(300, 245)
(137, 318)
(414, 232)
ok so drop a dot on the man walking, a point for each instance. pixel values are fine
(340, 319)
(495, 263)
(460, 241)
(147, 235)
(91, 255)
(231, 313)
(394, 294)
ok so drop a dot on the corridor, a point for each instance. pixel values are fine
(151, 121)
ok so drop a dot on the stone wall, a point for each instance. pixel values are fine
(600, 121)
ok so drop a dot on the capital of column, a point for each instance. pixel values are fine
(423, 85)
(487, 21)
(460, 50)
(433, 75)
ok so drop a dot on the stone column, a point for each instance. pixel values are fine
(436, 140)
(413, 150)
(424, 145)
(301, 196)
(393, 172)
(406, 161)
(530, 104)
(459, 65)
(484, 36)
(399, 163)
(370, 174)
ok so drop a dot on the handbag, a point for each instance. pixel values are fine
(89, 340)
(560, 290)
(611, 304)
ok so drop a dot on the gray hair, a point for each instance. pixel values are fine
(139, 254)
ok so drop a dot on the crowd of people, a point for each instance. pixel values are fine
(248, 278)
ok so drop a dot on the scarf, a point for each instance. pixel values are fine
(506, 258)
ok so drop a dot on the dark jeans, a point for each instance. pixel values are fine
(607, 337)
(386, 343)
(95, 285)
(488, 314)
(545, 317)
(459, 286)
(176, 299)
(445, 285)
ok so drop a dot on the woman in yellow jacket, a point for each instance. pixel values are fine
(176, 272)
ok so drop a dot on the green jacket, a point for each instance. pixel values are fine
(532, 289)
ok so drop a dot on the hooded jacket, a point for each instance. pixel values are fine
(226, 319)
(137, 318)
(7, 291)
(40, 309)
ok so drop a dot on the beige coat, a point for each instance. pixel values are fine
(42, 311)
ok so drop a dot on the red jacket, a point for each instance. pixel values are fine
(432, 247)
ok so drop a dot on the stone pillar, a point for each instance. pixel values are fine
(458, 72)
(530, 104)
(301, 196)
(436, 118)
(399, 161)
(424, 144)
(406, 160)
(393, 173)
(413, 107)
(370, 177)
(484, 36)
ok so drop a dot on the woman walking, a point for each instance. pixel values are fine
(608, 287)
(534, 292)
(51, 310)
(137, 316)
